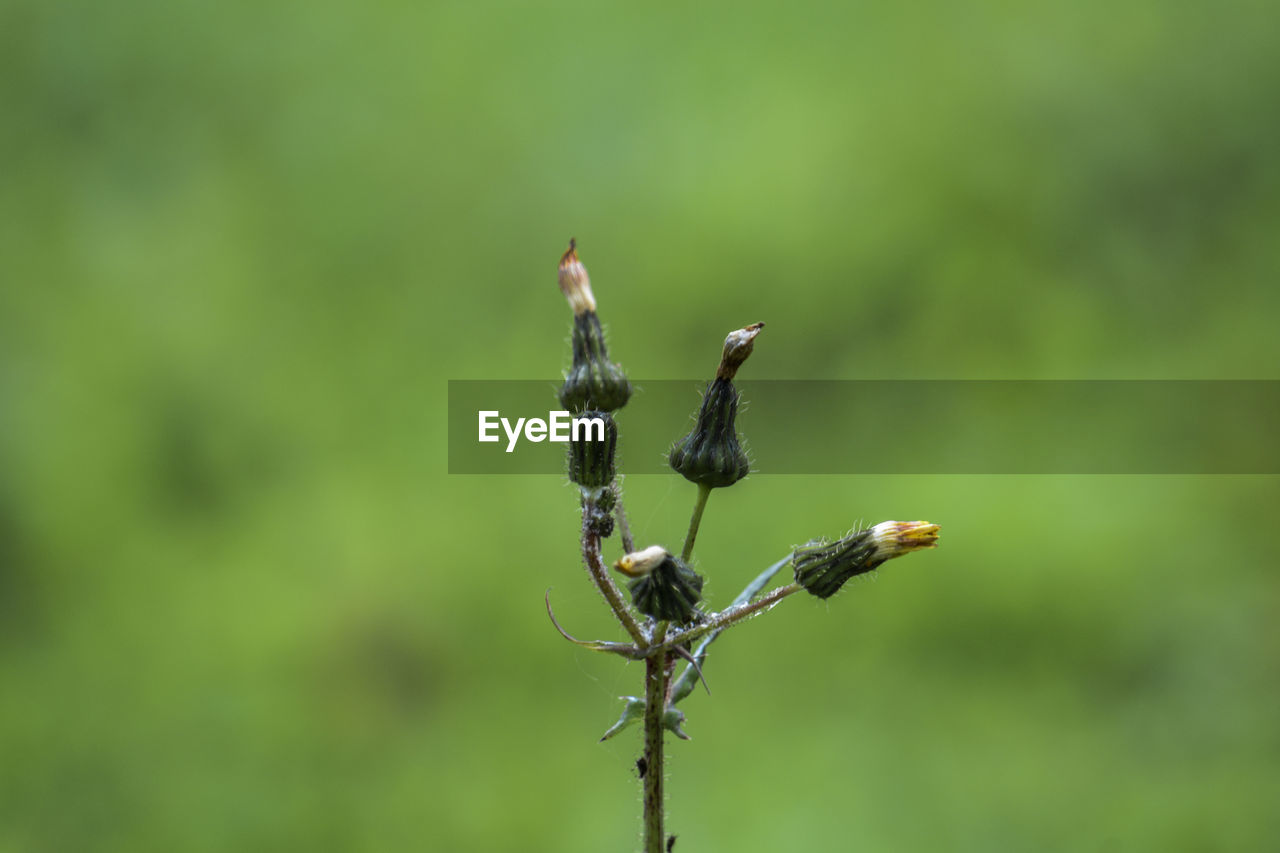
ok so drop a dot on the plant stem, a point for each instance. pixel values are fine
(725, 618)
(704, 492)
(655, 702)
(624, 529)
(604, 583)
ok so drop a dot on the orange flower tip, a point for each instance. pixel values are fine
(895, 538)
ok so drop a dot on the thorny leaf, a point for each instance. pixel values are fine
(627, 650)
(633, 711)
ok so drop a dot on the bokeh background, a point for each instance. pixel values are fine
(244, 245)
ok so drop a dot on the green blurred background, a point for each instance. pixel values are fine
(244, 245)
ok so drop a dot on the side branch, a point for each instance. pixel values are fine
(684, 685)
(724, 619)
(695, 522)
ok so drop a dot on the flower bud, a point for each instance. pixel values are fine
(590, 452)
(664, 587)
(710, 455)
(895, 538)
(823, 568)
(637, 564)
(593, 382)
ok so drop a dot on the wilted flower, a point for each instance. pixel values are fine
(710, 455)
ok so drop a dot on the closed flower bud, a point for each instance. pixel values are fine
(711, 455)
(591, 452)
(823, 568)
(637, 564)
(895, 538)
(593, 382)
(664, 587)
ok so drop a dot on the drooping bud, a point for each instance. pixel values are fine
(593, 438)
(664, 587)
(823, 568)
(711, 455)
(593, 381)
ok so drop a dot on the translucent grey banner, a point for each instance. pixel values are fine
(907, 427)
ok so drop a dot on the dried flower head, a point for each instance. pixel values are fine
(737, 348)
(575, 284)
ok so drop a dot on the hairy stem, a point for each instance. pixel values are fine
(704, 492)
(624, 529)
(604, 583)
(725, 618)
(655, 706)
